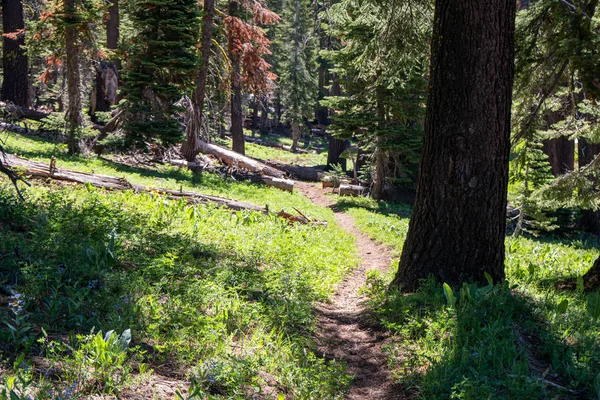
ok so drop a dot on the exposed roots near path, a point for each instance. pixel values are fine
(344, 332)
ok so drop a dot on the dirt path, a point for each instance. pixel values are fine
(343, 330)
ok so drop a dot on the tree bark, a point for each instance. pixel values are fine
(237, 118)
(112, 25)
(561, 155)
(190, 147)
(457, 229)
(590, 219)
(15, 83)
(380, 155)
(336, 146)
(106, 84)
(591, 279)
(73, 115)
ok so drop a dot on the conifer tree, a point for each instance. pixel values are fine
(246, 46)
(297, 67)
(15, 86)
(381, 67)
(160, 69)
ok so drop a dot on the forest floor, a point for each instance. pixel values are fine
(344, 330)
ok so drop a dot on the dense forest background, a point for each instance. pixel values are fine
(145, 75)
(193, 274)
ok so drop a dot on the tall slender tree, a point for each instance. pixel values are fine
(191, 146)
(15, 86)
(297, 84)
(457, 229)
(73, 116)
(247, 45)
(235, 55)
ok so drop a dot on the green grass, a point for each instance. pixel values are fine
(485, 346)
(164, 176)
(317, 150)
(224, 299)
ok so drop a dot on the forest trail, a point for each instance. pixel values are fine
(343, 330)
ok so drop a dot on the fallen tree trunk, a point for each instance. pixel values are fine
(279, 183)
(352, 190)
(17, 129)
(40, 170)
(309, 174)
(234, 159)
(22, 112)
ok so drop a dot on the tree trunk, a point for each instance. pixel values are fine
(15, 86)
(190, 147)
(322, 114)
(380, 155)
(591, 279)
(295, 136)
(106, 84)
(73, 114)
(458, 225)
(264, 117)
(335, 148)
(590, 220)
(237, 118)
(112, 25)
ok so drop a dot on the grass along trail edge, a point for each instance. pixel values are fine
(344, 331)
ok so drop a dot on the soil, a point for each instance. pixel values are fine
(345, 332)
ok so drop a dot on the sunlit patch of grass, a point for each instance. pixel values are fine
(224, 298)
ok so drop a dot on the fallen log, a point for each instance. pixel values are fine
(279, 183)
(41, 170)
(309, 174)
(22, 112)
(234, 159)
(5, 127)
(352, 190)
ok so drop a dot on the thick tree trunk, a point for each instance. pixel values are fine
(458, 225)
(334, 149)
(190, 147)
(237, 117)
(73, 115)
(15, 86)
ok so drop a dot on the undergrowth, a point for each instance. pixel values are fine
(221, 300)
(525, 339)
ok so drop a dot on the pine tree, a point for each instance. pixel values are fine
(381, 68)
(161, 67)
(247, 44)
(297, 68)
